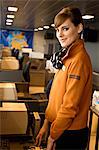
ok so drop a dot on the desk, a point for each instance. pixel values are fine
(93, 111)
(15, 113)
(11, 75)
(32, 105)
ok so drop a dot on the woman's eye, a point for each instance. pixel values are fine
(65, 28)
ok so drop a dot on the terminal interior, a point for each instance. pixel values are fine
(27, 41)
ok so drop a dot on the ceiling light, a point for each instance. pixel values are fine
(8, 23)
(35, 29)
(53, 25)
(12, 9)
(46, 27)
(9, 20)
(88, 17)
(10, 16)
(40, 28)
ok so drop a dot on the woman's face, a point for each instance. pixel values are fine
(67, 33)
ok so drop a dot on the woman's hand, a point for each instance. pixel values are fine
(50, 144)
(41, 133)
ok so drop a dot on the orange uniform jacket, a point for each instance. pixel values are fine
(70, 94)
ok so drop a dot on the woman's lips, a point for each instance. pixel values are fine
(62, 40)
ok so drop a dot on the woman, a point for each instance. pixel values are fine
(70, 94)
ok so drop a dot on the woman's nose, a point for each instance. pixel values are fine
(60, 34)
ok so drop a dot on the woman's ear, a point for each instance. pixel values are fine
(80, 28)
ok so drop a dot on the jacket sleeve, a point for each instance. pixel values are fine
(76, 81)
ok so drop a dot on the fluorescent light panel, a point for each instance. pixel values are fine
(10, 16)
(35, 29)
(8, 23)
(53, 25)
(46, 27)
(88, 17)
(40, 28)
(14, 9)
(9, 20)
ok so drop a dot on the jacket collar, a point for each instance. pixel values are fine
(74, 48)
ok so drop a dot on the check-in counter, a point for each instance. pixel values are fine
(8, 91)
(11, 75)
(37, 78)
(13, 116)
(13, 119)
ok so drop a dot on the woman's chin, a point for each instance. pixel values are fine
(63, 45)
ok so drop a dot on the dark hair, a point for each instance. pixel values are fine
(68, 12)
